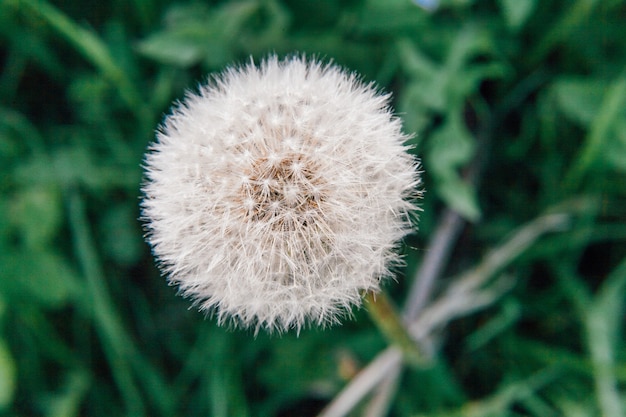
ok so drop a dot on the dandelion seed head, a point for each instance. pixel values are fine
(277, 193)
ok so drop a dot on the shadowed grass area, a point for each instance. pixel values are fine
(518, 109)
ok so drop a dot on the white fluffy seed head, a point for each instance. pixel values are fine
(277, 194)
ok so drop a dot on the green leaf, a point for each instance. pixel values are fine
(199, 36)
(435, 88)
(516, 12)
(121, 234)
(183, 47)
(67, 402)
(91, 98)
(604, 321)
(91, 46)
(8, 376)
(502, 400)
(615, 149)
(17, 132)
(579, 99)
(415, 109)
(6, 226)
(36, 212)
(460, 197)
(601, 132)
(71, 166)
(389, 17)
(450, 148)
(37, 276)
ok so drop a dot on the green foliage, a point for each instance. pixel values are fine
(519, 107)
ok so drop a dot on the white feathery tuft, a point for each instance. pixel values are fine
(277, 194)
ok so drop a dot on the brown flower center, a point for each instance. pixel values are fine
(281, 190)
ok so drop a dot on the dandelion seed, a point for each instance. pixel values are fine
(277, 194)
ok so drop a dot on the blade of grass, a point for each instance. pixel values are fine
(24, 128)
(602, 324)
(509, 315)
(601, 317)
(610, 110)
(94, 50)
(122, 353)
(67, 402)
(114, 340)
(565, 26)
(499, 403)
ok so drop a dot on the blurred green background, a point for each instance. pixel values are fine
(519, 106)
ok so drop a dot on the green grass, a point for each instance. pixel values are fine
(519, 108)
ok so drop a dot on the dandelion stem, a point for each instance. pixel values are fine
(467, 287)
(385, 316)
